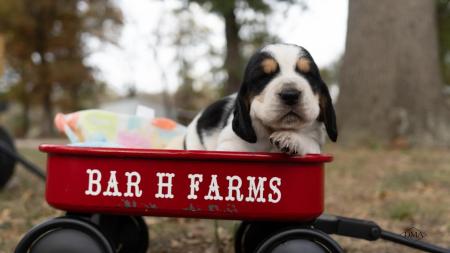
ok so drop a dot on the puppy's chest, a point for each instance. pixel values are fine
(262, 146)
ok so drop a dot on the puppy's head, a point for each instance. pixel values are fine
(283, 90)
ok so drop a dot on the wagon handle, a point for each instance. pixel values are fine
(27, 164)
(396, 238)
(369, 230)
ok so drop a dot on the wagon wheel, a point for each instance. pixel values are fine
(7, 163)
(129, 234)
(299, 240)
(251, 234)
(64, 234)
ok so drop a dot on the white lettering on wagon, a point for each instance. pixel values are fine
(162, 185)
(274, 183)
(95, 187)
(196, 179)
(94, 182)
(133, 183)
(253, 189)
(234, 188)
(213, 189)
(112, 185)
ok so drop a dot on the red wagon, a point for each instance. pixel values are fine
(225, 185)
(105, 192)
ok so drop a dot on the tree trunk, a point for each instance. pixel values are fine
(43, 81)
(2, 55)
(390, 82)
(25, 123)
(47, 124)
(233, 60)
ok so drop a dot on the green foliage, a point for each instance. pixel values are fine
(443, 13)
(46, 52)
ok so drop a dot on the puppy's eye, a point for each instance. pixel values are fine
(304, 65)
(269, 66)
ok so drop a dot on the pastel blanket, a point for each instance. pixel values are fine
(98, 128)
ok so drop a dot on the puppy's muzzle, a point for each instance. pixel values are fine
(289, 96)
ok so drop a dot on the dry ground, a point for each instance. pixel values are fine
(396, 188)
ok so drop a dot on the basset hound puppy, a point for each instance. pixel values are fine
(283, 105)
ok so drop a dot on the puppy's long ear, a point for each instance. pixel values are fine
(242, 123)
(327, 114)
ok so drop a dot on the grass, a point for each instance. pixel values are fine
(397, 189)
(22, 204)
(403, 210)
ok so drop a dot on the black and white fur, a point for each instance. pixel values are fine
(286, 110)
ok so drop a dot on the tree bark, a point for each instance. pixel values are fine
(43, 81)
(2, 55)
(233, 59)
(25, 123)
(390, 82)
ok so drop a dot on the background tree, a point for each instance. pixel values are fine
(245, 31)
(46, 52)
(190, 42)
(2, 54)
(443, 13)
(391, 85)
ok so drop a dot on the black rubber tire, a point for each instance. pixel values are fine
(299, 245)
(299, 240)
(251, 234)
(64, 234)
(128, 234)
(67, 240)
(7, 163)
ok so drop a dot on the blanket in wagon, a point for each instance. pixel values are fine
(99, 128)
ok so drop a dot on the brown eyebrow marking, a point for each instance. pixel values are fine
(269, 65)
(304, 65)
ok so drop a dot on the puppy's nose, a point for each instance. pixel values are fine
(289, 96)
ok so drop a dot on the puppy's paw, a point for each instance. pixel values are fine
(286, 142)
